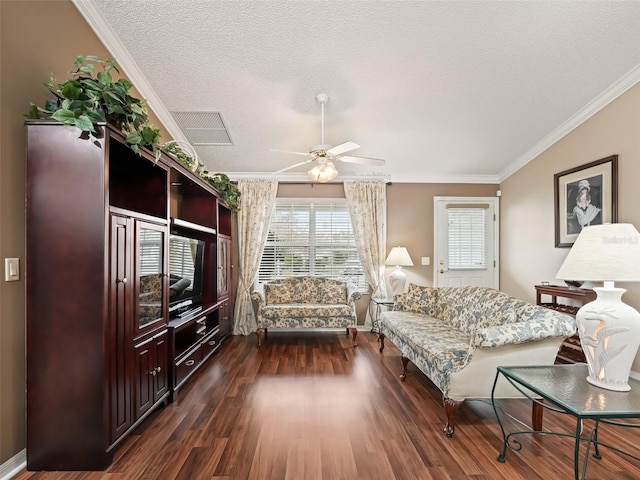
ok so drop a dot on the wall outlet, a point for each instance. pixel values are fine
(426, 261)
(11, 269)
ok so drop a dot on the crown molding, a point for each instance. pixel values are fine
(96, 21)
(301, 177)
(597, 104)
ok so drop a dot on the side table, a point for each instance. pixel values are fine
(375, 305)
(570, 350)
(564, 389)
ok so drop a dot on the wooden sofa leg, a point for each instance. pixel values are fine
(354, 334)
(381, 340)
(260, 332)
(405, 363)
(537, 412)
(451, 407)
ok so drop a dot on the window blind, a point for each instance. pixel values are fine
(311, 238)
(467, 238)
(181, 258)
(150, 255)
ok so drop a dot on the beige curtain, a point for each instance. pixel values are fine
(258, 197)
(367, 201)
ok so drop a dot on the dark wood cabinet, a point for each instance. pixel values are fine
(570, 350)
(225, 269)
(151, 373)
(101, 346)
(194, 338)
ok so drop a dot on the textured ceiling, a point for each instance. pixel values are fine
(443, 91)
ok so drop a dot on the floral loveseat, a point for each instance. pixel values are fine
(457, 336)
(305, 302)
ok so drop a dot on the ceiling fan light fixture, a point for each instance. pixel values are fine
(323, 172)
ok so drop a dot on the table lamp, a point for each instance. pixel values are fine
(399, 257)
(609, 329)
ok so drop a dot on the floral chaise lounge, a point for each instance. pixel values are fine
(457, 336)
(305, 302)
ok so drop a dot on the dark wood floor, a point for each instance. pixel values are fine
(310, 406)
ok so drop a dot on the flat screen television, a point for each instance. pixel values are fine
(186, 256)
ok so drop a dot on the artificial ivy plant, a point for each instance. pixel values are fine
(91, 96)
(85, 99)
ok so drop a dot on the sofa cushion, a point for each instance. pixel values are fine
(334, 292)
(418, 299)
(471, 308)
(306, 310)
(444, 348)
(307, 316)
(275, 294)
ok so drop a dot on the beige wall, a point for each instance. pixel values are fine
(410, 220)
(37, 38)
(527, 253)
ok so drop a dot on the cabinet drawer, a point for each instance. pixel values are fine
(187, 365)
(210, 344)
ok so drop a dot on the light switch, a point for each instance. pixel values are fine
(426, 261)
(11, 269)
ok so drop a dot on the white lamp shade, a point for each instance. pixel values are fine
(400, 257)
(609, 252)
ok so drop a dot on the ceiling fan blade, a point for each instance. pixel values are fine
(294, 166)
(361, 160)
(343, 148)
(294, 153)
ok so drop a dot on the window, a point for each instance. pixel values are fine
(467, 230)
(311, 237)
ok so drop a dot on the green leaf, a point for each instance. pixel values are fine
(78, 61)
(96, 116)
(91, 84)
(71, 90)
(93, 58)
(149, 135)
(104, 78)
(137, 109)
(51, 105)
(88, 68)
(133, 138)
(64, 116)
(126, 84)
(85, 124)
(115, 108)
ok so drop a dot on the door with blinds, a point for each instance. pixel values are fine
(466, 242)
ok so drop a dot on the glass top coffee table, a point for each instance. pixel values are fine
(564, 389)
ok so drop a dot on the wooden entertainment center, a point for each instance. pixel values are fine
(103, 349)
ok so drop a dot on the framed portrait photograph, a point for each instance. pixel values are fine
(585, 195)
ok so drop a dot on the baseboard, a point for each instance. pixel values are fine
(12, 466)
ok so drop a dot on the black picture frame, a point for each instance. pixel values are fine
(585, 195)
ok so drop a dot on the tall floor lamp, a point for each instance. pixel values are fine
(609, 329)
(399, 257)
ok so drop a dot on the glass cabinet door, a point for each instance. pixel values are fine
(150, 259)
(224, 252)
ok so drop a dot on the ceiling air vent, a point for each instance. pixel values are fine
(203, 128)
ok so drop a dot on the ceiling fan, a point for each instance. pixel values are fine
(324, 155)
